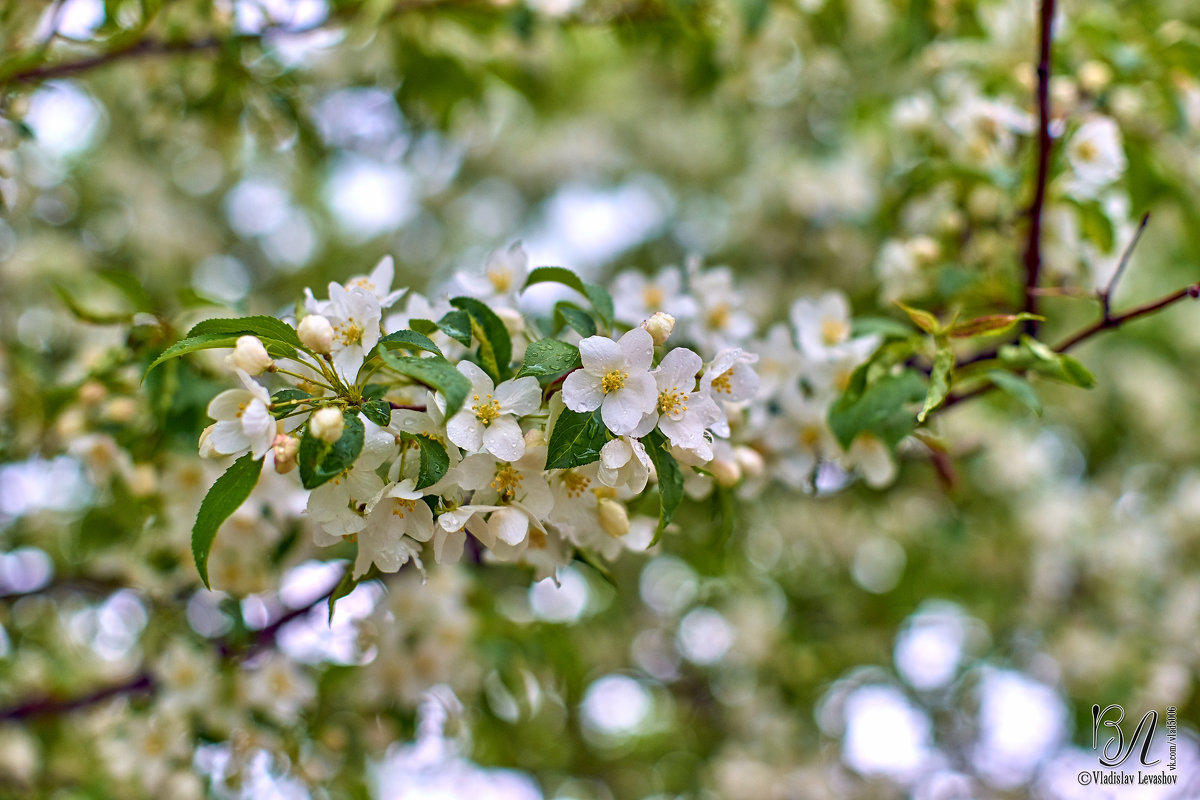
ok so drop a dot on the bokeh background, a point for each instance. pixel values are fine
(942, 638)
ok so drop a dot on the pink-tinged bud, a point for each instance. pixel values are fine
(316, 333)
(614, 519)
(250, 355)
(727, 473)
(326, 424)
(659, 326)
(285, 448)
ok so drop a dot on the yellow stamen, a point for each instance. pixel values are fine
(486, 411)
(613, 380)
(834, 331)
(672, 401)
(350, 332)
(722, 383)
(400, 506)
(501, 279)
(1087, 151)
(574, 483)
(506, 482)
(718, 318)
(653, 297)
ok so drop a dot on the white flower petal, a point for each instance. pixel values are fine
(504, 439)
(519, 397)
(509, 526)
(601, 354)
(637, 350)
(466, 431)
(581, 391)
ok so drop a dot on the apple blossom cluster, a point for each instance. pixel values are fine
(531, 434)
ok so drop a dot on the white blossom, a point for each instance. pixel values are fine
(397, 521)
(244, 420)
(615, 378)
(1096, 156)
(488, 419)
(379, 282)
(624, 463)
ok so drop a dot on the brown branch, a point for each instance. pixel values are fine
(1033, 247)
(1107, 322)
(144, 683)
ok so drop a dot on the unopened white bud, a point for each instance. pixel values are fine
(750, 460)
(285, 448)
(614, 519)
(726, 472)
(207, 449)
(326, 424)
(250, 355)
(659, 326)
(316, 333)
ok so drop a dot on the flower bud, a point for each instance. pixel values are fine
(614, 519)
(726, 472)
(207, 449)
(750, 460)
(326, 424)
(659, 326)
(285, 448)
(250, 355)
(316, 333)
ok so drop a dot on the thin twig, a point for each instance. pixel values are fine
(1107, 322)
(1106, 294)
(1033, 247)
(144, 682)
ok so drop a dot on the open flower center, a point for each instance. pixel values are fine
(349, 331)
(364, 283)
(574, 483)
(723, 382)
(613, 380)
(653, 297)
(834, 330)
(487, 410)
(718, 318)
(506, 482)
(672, 402)
(501, 279)
(1087, 151)
(400, 506)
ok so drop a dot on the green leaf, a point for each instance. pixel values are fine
(229, 492)
(378, 411)
(923, 319)
(434, 460)
(570, 314)
(263, 327)
(89, 315)
(495, 346)
(408, 340)
(425, 326)
(575, 440)
(1039, 357)
(880, 409)
(879, 326)
(192, 344)
(435, 372)
(593, 561)
(670, 481)
(598, 296)
(989, 325)
(283, 401)
(321, 462)
(457, 325)
(344, 587)
(939, 382)
(1017, 387)
(549, 357)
